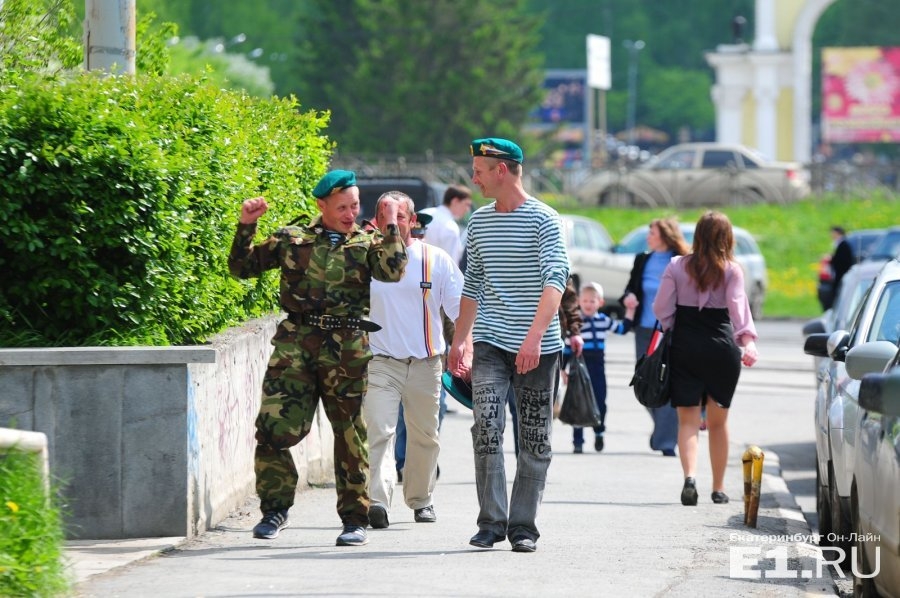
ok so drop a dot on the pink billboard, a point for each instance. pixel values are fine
(861, 95)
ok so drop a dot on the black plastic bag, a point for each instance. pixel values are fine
(651, 375)
(579, 407)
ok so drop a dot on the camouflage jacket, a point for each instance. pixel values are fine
(316, 276)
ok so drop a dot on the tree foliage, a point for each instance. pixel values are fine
(402, 76)
(120, 199)
(35, 36)
(319, 50)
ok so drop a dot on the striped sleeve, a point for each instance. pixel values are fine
(512, 257)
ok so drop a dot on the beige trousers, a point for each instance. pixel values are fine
(415, 383)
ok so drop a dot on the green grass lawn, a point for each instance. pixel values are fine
(31, 532)
(793, 237)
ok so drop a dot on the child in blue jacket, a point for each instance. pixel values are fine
(594, 328)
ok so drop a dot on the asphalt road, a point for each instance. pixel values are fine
(611, 522)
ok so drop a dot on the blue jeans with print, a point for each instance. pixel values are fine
(493, 371)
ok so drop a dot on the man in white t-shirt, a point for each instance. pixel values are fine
(406, 368)
(443, 231)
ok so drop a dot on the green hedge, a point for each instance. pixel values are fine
(120, 197)
(31, 530)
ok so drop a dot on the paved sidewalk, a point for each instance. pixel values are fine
(611, 524)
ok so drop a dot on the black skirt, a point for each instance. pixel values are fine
(704, 359)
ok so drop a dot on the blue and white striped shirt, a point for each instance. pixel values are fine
(595, 328)
(512, 257)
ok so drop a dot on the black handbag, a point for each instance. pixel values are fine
(579, 407)
(651, 374)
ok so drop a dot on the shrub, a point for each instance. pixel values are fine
(121, 197)
(31, 530)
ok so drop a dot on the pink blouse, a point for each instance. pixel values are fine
(677, 287)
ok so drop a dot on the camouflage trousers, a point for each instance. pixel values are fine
(308, 364)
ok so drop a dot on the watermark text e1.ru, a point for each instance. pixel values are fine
(751, 562)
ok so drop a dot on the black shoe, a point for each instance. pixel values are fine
(378, 517)
(485, 539)
(353, 535)
(437, 474)
(689, 492)
(668, 452)
(272, 522)
(577, 450)
(523, 544)
(399, 476)
(598, 443)
(719, 497)
(425, 515)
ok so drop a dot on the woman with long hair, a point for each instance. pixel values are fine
(701, 299)
(664, 241)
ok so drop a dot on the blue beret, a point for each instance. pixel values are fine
(493, 147)
(334, 181)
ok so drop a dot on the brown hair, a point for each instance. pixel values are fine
(670, 233)
(456, 191)
(713, 249)
(512, 166)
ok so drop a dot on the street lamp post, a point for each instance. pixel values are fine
(633, 47)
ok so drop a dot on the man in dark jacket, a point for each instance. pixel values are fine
(842, 258)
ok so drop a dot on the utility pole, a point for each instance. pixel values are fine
(109, 28)
(600, 79)
(633, 49)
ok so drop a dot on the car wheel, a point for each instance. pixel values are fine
(823, 509)
(747, 197)
(616, 196)
(863, 584)
(840, 519)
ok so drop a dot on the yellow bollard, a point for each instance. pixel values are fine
(753, 468)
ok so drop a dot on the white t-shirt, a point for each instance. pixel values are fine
(409, 311)
(443, 232)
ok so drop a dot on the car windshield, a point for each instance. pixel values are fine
(863, 242)
(886, 322)
(849, 300)
(636, 241)
(888, 247)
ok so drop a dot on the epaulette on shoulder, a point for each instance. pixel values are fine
(292, 232)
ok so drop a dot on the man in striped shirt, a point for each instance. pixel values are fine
(406, 368)
(516, 273)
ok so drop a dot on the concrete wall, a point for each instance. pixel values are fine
(151, 441)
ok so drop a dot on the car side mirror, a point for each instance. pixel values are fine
(816, 326)
(816, 344)
(881, 393)
(837, 345)
(869, 358)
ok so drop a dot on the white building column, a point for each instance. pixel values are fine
(802, 76)
(766, 89)
(734, 80)
(764, 39)
(729, 121)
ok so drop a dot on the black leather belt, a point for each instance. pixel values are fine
(329, 322)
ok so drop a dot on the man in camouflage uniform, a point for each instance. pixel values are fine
(321, 348)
